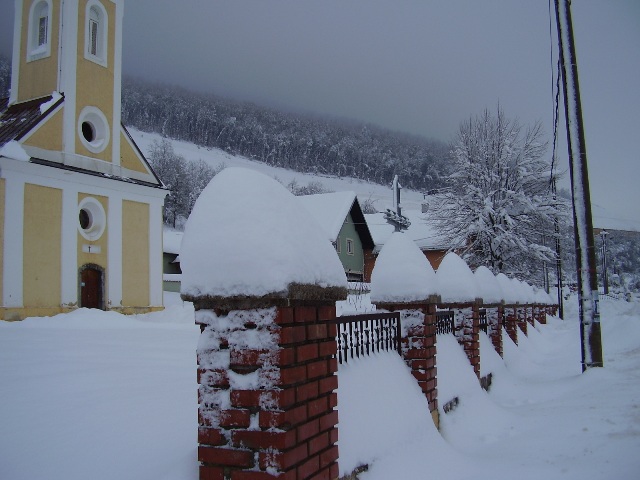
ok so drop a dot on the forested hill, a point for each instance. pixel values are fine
(297, 142)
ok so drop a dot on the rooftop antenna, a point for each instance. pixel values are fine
(395, 218)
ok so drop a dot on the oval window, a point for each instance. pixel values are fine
(92, 219)
(93, 129)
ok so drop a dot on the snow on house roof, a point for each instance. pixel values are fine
(171, 240)
(329, 210)
(402, 273)
(422, 231)
(261, 246)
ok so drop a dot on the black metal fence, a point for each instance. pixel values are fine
(362, 335)
(445, 321)
(484, 326)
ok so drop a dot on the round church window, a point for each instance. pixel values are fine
(93, 129)
(92, 219)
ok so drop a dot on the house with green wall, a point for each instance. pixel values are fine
(340, 216)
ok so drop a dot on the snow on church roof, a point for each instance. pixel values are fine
(236, 244)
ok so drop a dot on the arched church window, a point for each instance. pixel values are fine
(39, 34)
(96, 33)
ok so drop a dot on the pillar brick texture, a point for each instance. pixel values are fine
(511, 322)
(495, 315)
(521, 318)
(419, 347)
(267, 394)
(467, 331)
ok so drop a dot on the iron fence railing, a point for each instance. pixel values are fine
(482, 315)
(362, 335)
(445, 321)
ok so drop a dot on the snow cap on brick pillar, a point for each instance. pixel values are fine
(456, 281)
(264, 280)
(402, 274)
(508, 289)
(248, 237)
(404, 280)
(489, 288)
(521, 293)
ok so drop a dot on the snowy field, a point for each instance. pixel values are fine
(96, 395)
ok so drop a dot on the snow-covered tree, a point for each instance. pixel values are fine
(185, 180)
(499, 209)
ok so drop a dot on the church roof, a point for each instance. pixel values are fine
(18, 119)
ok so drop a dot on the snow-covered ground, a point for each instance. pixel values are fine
(103, 396)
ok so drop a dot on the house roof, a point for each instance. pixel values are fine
(422, 231)
(331, 209)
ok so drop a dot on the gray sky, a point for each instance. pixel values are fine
(420, 66)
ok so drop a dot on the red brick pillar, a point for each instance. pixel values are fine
(521, 316)
(511, 322)
(467, 330)
(495, 316)
(419, 347)
(530, 314)
(267, 392)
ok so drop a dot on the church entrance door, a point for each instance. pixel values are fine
(91, 280)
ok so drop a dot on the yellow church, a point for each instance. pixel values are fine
(80, 207)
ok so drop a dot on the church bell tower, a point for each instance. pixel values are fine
(74, 48)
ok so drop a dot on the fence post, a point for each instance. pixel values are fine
(521, 316)
(418, 320)
(267, 410)
(267, 351)
(495, 316)
(511, 322)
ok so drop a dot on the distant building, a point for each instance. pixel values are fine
(340, 216)
(421, 231)
(80, 207)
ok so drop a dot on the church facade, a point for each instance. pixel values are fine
(80, 207)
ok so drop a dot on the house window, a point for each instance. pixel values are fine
(96, 28)
(39, 34)
(338, 244)
(350, 247)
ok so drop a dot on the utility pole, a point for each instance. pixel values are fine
(556, 230)
(588, 296)
(603, 256)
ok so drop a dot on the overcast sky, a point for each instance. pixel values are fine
(420, 66)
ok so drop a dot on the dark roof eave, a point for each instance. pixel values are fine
(48, 163)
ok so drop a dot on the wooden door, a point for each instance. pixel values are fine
(91, 288)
